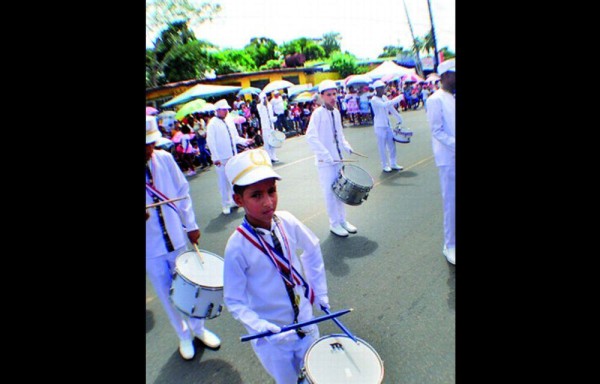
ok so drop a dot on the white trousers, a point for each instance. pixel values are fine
(387, 146)
(448, 185)
(335, 207)
(160, 271)
(224, 185)
(284, 361)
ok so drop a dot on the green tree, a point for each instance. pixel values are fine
(343, 63)
(262, 49)
(392, 51)
(331, 43)
(189, 61)
(271, 64)
(307, 47)
(231, 61)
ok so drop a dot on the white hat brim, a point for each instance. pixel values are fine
(257, 174)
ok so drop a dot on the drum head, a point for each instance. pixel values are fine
(357, 175)
(338, 359)
(279, 135)
(209, 274)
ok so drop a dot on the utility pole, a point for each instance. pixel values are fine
(418, 65)
(435, 51)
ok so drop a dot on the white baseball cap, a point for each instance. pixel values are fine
(447, 66)
(222, 104)
(378, 84)
(327, 84)
(250, 167)
(152, 132)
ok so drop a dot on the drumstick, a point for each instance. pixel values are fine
(286, 328)
(359, 154)
(199, 254)
(340, 325)
(165, 202)
(342, 161)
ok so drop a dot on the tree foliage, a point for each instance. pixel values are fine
(306, 46)
(184, 62)
(343, 63)
(271, 64)
(392, 51)
(161, 13)
(331, 43)
(262, 49)
(231, 61)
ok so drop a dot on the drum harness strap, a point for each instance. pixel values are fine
(287, 272)
(233, 149)
(337, 144)
(161, 219)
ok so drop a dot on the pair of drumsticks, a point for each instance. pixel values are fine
(170, 201)
(349, 160)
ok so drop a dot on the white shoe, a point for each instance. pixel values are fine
(226, 210)
(397, 167)
(387, 169)
(186, 349)
(450, 254)
(209, 339)
(338, 230)
(349, 227)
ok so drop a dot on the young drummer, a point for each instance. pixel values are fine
(264, 287)
(326, 139)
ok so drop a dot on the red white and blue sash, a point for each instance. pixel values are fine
(280, 262)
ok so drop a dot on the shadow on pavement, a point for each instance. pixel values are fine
(335, 249)
(149, 321)
(210, 371)
(220, 222)
(452, 286)
(396, 178)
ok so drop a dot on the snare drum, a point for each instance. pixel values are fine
(402, 135)
(276, 138)
(197, 288)
(352, 185)
(338, 359)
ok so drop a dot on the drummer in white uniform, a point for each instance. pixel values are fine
(267, 119)
(168, 227)
(326, 138)
(382, 107)
(260, 288)
(222, 138)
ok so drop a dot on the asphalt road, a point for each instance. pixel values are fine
(392, 272)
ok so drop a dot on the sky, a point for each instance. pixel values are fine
(366, 26)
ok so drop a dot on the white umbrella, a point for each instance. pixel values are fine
(276, 85)
(165, 114)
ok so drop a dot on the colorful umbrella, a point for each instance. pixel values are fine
(190, 107)
(239, 119)
(411, 78)
(166, 114)
(248, 90)
(358, 79)
(276, 85)
(199, 91)
(303, 97)
(151, 111)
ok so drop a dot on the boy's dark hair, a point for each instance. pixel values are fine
(239, 189)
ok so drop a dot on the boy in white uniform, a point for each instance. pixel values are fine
(259, 289)
(325, 137)
(267, 118)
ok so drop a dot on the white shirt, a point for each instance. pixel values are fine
(267, 118)
(382, 107)
(277, 103)
(320, 137)
(254, 290)
(219, 142)
(169, 180)
(441, 113)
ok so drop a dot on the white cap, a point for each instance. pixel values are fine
(262, 96)
(152, 132)
(447, 66)
(222, 104)
(327, 84)
(378, 83)
(249, 167)
(275, 92)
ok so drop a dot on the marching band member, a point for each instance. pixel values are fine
(264, 286)
(381, 124)
(222, 138)
(441, 113)
(267, 118)
(165, 238)
(326, 139)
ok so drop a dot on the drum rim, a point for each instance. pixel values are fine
(305, 366)
(208, 287)
(353, 183)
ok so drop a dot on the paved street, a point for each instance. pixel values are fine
(392, 272)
